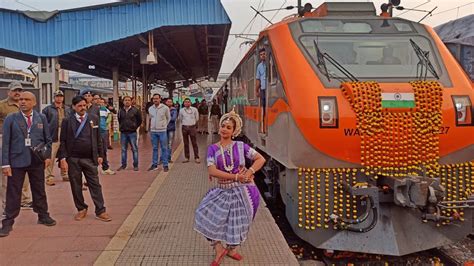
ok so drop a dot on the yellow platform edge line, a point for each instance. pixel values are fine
(116, 245)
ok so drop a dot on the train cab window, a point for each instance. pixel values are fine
(363, 57)
(403, 27)
(335, 26)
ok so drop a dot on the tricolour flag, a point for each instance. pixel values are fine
(398, 100)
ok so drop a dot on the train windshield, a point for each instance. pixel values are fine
(372, 56)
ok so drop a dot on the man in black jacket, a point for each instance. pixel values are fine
(81, 152)
(130, 119)
(55, 113)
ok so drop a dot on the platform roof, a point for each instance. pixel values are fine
(190, 37)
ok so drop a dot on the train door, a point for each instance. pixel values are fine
(262, 75)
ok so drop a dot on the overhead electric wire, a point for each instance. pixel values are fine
(243, 31)
(284, 2)
(413, 8)
(249, 26)
(451, 9)
(18, 1)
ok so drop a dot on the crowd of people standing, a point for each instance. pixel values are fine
(77, 137)
(34, 142)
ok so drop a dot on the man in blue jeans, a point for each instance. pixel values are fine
(171, 129)
(130, 119)
(159, 119)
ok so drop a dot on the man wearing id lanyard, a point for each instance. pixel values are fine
(7, 106)
(23, 131)
(81, 152)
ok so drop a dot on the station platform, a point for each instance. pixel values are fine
(153, 214)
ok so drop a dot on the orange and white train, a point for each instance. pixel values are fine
(368, 128)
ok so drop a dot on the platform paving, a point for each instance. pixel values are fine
(152, 222)
(165, 234)
(71, 242)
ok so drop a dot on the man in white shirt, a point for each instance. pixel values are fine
(189, 117)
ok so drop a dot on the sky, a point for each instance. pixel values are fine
(243, 21)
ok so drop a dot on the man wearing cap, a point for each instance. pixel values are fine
(91, 107)
(55, 114)
(7, 106)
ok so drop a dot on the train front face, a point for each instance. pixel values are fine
(385, 103)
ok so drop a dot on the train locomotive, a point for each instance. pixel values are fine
(367, 127)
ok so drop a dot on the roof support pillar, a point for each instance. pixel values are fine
(145, 93)
(48, 79)
(115, 83)
(170, 86)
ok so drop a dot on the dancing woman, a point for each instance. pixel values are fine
(226, 212)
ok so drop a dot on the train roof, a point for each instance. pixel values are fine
(328, 10)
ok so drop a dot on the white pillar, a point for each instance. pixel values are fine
(48, 79)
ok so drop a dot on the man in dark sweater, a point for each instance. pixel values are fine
(80, 152)
(129, 118)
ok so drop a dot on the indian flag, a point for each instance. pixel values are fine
(398, 100)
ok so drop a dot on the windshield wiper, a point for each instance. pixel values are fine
(321, 64)
(424, 65)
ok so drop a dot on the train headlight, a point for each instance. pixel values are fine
(463, 110)
(328, 114)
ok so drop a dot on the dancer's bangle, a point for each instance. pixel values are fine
(253, 170)
(236, 177)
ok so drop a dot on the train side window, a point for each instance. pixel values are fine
(273, 75)
(250, 79)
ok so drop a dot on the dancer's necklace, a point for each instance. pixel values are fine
(230, 167)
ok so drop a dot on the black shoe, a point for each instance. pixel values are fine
(135, 168)
(153, 168)
(121, 168)
(110, 148)
(48, 221)
(5, 230)
(165, 169)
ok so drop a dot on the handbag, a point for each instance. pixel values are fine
(41, 151)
